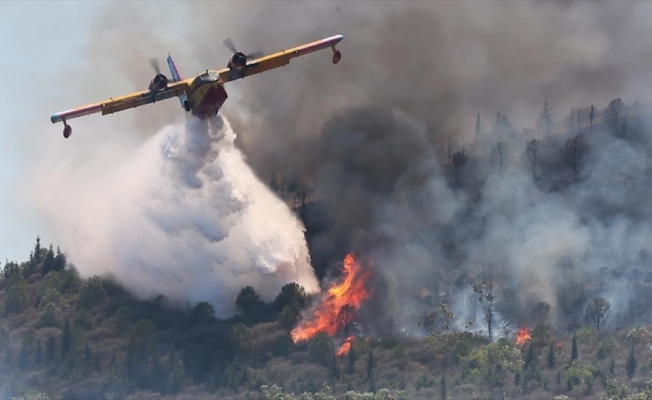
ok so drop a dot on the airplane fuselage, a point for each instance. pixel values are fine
(206, 95)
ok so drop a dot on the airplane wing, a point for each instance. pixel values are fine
(116, 104)
(282, 58)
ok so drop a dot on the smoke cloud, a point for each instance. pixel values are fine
(181, 215)
(372, 136)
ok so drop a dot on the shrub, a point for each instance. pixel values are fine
(606, 347)
(321, 349)
(91, 293)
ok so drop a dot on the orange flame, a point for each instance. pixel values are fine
(351, 292)
(346, 346)
(522, 335)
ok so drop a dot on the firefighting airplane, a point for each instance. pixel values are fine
(204, 94)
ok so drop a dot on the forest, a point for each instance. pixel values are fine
(576, 326)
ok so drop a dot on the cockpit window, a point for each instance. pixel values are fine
(206, 77)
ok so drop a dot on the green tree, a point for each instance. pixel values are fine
(631, 362)
(38, 358)
(203, 312)
(350, 361)
(241, 338)
(248, 300)
(141, 348)
(50, 348)
(493, 364)
(596, 311)
(574, 354)
(66, 339)
(289, 316)
(48, 262)
(551, 356)
(35, 259)
(442, 385)
(321, 349)
(291, 293)
(371, 364)
(16, 295)
(59, 261)
(91, 293)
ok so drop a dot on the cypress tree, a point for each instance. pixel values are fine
(574, 354)
(97, 361)
(551, 356)
(66, 339)
(351, 362)
(50, 348)
(39, 353)
(631, 363)
(443, 388)
(370, 363)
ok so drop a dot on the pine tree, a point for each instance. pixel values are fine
(551, 356)
(591, 116)
(48, 263)
(631, 363)
(59, 260)
(574, 354)
(66, 339)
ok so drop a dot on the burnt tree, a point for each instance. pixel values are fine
(613, 116)
(533, 156)
(499, 157)
(485, 292)
(575, 153)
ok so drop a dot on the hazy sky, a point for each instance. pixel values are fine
(39, 42)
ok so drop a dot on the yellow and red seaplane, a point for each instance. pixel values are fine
(204, 94)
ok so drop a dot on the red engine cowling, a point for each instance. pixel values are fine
(159, 83)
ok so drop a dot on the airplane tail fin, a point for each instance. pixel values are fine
(176, 77)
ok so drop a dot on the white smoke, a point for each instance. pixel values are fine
(183, 215)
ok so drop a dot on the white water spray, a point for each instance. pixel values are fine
(185, 217)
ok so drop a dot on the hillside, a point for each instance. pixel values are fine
(74, 338)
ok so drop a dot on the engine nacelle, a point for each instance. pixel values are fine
(238, 61)
(159, 83)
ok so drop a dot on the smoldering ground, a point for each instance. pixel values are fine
(370, 134)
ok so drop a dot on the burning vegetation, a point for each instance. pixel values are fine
(335, 312)
(523, 336)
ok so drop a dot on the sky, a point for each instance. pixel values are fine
(38, 43)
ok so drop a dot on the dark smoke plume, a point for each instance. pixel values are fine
(372, 133)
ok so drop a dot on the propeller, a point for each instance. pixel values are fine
(155, 64)
(228, 43)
